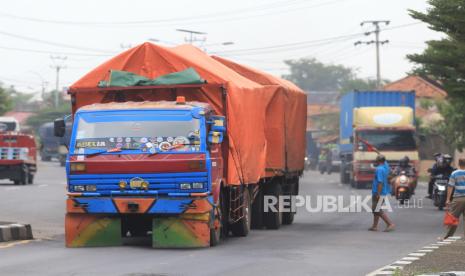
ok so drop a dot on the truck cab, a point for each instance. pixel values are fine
(152, 159)
(372, 123)
(17, 153)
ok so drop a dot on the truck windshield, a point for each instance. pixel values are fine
(138, 134)
(388, 139)
(7, 126)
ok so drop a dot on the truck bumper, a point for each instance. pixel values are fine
(11, 171)
(176, 222)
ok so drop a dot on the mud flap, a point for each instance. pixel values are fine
(184, 231)
(84, 230)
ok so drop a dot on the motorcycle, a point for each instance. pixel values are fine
(307, 163)
(440, 190)
(403, 186)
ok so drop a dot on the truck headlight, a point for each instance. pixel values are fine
(79, 188)
(185, 186)
(77, 167)
(91, 188)
(197, 185)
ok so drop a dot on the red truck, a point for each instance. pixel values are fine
(17, 153)
(173, 143)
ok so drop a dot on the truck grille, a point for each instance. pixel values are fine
(162, 183)
(13, 153)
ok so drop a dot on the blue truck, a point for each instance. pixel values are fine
(373, 122)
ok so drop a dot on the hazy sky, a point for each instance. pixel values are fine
(264, 33)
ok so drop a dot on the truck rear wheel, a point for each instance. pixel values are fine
(257, 210)
(24, 176)
(272, 219)
(241, 228)
(288, 217)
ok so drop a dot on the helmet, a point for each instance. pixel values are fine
(447, 159)
(380, 158)
(404, 162)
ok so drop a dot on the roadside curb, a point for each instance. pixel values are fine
(410, 258)
(15, 231)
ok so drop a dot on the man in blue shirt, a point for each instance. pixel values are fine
(456, 189)
(380, 190)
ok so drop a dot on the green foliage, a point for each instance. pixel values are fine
(360, 84)
(5, 101)
(444, 61)
(426, 103)
(312, 75)
(48, 115)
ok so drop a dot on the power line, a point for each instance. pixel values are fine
(48, 52)
(37, 40)
(220, 14)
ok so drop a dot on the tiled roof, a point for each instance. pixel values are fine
(424, 87)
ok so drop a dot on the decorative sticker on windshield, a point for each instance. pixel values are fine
(91, 144)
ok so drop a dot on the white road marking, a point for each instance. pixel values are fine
(410, 258)
(11, 188)
(42, 185)
(402, 262)
(443, 242)
(417, 254)
(431, 247)
(425, 250)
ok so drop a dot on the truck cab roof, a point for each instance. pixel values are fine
(172, 105)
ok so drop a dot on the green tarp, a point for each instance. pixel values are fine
(124, 79)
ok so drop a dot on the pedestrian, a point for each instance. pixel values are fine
(456, 197)
(380, 190)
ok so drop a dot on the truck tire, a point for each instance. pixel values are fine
(288, 217)
(217, 234)
(273, 220)
(257, 210)
(31, 179)
(241, 228)
(24, 176)
(46, 158)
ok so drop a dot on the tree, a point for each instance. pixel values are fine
(5, 101)
(48, 115)
(443, 60)
(312, 75)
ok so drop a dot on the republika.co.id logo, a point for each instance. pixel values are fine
(335, 204)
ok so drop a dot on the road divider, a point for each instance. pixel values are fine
(15, 231)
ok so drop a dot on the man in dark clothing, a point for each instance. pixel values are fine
(442, 166)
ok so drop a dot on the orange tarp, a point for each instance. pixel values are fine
(287, 111)
(248, 102)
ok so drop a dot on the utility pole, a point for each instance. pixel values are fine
(191, 39)
(377, 42)
(58, 64)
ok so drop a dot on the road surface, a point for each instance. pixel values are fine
(316, 244)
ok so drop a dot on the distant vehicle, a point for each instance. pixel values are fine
(440, 190)
(9, 124)
(373, 122)
(403, 186)
(17, 157)
(49, 144)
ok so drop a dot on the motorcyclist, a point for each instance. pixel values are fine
(442, 166)
(404, 166)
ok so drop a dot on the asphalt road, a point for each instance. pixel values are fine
(316, 244)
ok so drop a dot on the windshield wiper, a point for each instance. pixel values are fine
(105, 151)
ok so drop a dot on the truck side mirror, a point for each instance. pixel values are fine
(59, 127)
(215, 137)
(218, 123)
